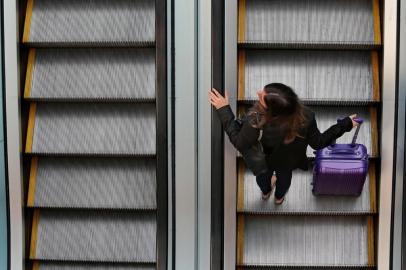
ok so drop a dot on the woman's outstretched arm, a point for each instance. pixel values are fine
(318, 140)
(241, 136)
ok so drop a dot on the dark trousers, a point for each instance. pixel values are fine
(284, 179)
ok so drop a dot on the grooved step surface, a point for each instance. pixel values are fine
(327, 116)
(316, 75)
(94, 74)
(309, 241)
(301, 268)
(82, 266)
(96, 236)
(92, 21)
(300, 198)
(94, 129)
(310, 21)
(95, 183)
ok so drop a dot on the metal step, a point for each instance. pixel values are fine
(303, 268)
(93, 236)
(316, 241)
(90, 22)
(97, 183)
(87, 266)
(90, 74)
(319, 76)
(300, 200)
(336, 23)
(92, 129)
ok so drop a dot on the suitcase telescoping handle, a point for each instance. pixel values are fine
(359, 120)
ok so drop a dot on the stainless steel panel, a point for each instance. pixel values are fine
(204, 196)
(387, 143)
(310, 241)
(310, 21)
(83, 266)
(316, 75)
(94, 73)
(300, 199)
(230, 80)
(327, 116)
(96, 236)
(186, 134)
(96, 183)
(11, 37)
(399, 218)
(94, 129)
(92, 21)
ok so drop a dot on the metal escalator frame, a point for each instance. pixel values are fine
(4, 205)
(387, 142)
(389, 54)
(230, 166)
(13, 134)
(14, 145)
(161, 133)
(398, 237)
(217, 134)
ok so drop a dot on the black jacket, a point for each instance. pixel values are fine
(277, 154)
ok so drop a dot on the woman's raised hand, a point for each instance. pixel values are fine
(217, 100)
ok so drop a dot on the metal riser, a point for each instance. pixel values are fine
(318, 76)
(97, 183)
(92, 129)
(309, 22)
(83, 266)
(91, 74)
(93, 236)
(305, 241)
(77, 21)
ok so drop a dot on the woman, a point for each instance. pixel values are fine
(285, 127)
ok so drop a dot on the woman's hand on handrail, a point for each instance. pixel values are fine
(217, 100)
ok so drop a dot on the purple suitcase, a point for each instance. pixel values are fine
(341, 169)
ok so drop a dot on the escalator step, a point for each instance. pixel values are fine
(300, 200)
(95, 74)
(92, 183)
(342, 76)
(98, 129)
(87, 21)
(305, 241)
(338, 22)
(93, 236)
(86, 266)
(302, 268)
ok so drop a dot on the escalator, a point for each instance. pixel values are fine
(96, 134)
(328, 52)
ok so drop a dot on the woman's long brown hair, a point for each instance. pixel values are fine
(284, 109)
